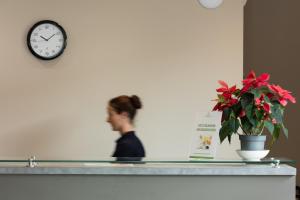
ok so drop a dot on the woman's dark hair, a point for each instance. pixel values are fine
(126, 104)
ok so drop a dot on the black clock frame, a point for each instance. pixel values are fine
(48, 22)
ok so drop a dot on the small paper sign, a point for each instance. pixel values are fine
(206, 136)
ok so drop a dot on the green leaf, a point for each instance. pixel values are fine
(269, 125)
(259, 114)
(247, 104)
(249, 111)
(285, 130)
(277, 112)
(224, 131)
(228, 128)
(256, 93)
(250, 115)
(237, 108)
(236, 125)
(229, 138)
(266, 98)
(226, 113)
(259, 91)
(237, 92)
(276, 133)
(247, 99)
(264, 89)
(246, 125)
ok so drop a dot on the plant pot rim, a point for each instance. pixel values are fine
(252, 136)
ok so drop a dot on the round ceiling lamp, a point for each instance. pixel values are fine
(210, 3)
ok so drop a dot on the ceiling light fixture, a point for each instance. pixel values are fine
(210, 3)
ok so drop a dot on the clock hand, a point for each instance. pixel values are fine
(43, 38)
(50, 37)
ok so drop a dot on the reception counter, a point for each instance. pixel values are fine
(166, 180)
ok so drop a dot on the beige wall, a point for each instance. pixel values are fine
(169, 52)
(272, 44)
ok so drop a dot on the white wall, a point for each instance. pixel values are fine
(169, 52)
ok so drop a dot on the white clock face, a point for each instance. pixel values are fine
(47, 40)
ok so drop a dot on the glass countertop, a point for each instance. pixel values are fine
(271, 160)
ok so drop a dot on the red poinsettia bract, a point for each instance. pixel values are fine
(226, 98)
(282, 94)
(252, 81)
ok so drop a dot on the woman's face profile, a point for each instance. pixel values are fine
(114, 119)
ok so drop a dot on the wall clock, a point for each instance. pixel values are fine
(46, 40)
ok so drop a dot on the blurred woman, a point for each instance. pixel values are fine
(121, 113)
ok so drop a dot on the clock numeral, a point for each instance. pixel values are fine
(35, 46)
(34, 40)
(58, 46)
(35, 34)
(47, 53)
(46, 26)
(60, 40)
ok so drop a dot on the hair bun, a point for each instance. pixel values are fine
(136, 102)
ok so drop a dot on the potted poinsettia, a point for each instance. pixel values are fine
(251, 109)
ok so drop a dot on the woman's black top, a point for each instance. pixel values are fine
(129, 147)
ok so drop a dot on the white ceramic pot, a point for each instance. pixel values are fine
(252, 155)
